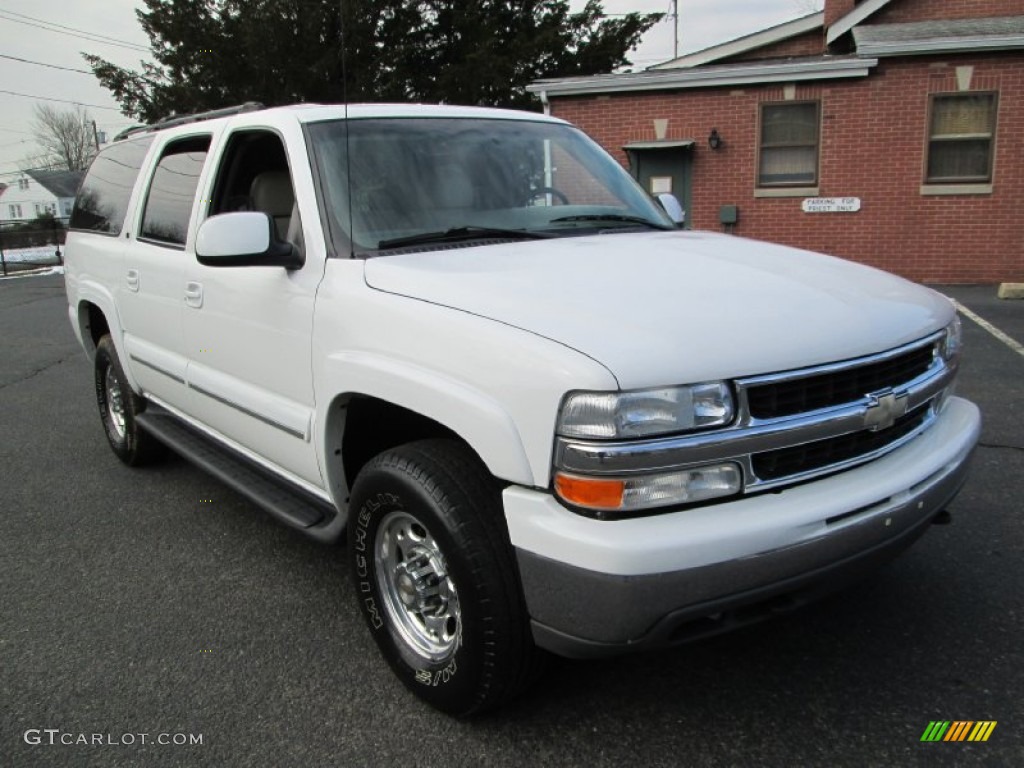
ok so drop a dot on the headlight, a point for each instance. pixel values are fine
(643, 492)
(953, 341)
(621, 415)
(950, 348)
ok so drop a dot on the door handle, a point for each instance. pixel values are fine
(194, 294)
(132, 279)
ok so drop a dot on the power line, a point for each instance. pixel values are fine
(44, 64)
(99, 37)
(92, 37)
(62, 26)
(64, 101)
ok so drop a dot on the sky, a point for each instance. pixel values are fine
(701, 23)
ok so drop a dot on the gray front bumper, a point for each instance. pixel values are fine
(581, 613)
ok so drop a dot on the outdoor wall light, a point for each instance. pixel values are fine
(714, 140)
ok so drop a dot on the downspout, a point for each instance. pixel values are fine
(545, 102)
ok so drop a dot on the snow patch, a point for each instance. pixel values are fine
(59, 270)
(41, 254)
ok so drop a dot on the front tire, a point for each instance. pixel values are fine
(119, 406)
(436, 578)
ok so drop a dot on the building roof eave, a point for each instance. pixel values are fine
(660, 144)
(941, 45)
(707, 77)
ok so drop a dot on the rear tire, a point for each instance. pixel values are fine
(119, 406)
(436, 577)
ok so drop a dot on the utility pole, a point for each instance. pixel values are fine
(96, 135)
(675, 29)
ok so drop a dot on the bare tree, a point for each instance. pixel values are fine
(65, 138)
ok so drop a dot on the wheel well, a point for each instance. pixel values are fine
(372, 426)
(359, 427)
(93, 323)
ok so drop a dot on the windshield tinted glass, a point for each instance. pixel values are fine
(416, 176)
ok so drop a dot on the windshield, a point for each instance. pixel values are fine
(422, 181)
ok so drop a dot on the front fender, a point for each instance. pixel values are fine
(473, 415)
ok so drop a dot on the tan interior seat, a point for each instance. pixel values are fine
(271, 193)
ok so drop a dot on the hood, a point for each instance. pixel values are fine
(666, 308)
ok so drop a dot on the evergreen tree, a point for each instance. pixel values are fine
(213, 53)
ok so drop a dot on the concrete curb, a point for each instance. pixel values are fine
(1011, 291)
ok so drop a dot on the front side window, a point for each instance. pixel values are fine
(788, 150)
(172, 191)
(395, 182)
(254, 176)
(961, 138)
(102, 201)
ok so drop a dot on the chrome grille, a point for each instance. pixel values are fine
(785, 398)
(800, 459)
(849, 413)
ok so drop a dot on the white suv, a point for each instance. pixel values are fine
(547, 417)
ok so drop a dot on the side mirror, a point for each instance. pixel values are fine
(244, 239)
(672, 207)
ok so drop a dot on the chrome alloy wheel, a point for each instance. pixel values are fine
(115, 406)
(419, 594)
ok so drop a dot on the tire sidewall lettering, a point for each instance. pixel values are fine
(362, 563)
(438, 677)
(370, 513)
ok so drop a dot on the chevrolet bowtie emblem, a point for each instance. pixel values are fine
(883, 409)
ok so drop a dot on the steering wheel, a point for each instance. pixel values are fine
(534, 194)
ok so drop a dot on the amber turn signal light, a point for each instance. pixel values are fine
(590, 492)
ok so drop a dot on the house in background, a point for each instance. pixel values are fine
(890, 132)
(38, 192)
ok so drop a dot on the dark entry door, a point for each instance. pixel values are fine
(665, 169)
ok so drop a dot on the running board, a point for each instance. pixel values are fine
(288, 503)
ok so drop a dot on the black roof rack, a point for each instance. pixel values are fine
(172, 120)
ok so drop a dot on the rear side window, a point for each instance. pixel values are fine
(173, 191)
(103, 199)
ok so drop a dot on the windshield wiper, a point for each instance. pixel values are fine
(612, 217)
(456, 234)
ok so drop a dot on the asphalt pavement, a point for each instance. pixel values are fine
(157, 602)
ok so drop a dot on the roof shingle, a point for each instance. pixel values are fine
(59, 183)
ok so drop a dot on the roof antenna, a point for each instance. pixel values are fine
(348, 153)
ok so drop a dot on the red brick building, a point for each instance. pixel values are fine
(890, 132)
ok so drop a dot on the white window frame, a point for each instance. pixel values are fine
(769, 186)
(933, 181)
